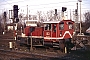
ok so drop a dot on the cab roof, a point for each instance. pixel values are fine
(54, 21)
(51, 22)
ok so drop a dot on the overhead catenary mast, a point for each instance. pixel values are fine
(80, 15)
(55, 15)
(27, 13)
(76, 19)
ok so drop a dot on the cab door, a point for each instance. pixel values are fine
(47, 31)
(54, 31)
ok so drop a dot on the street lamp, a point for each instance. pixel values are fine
(80, 14)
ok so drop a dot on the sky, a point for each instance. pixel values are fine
(42, 5)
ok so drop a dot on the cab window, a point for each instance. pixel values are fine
(70, 25)
(61, 26)
(54, 27)
(47, 26)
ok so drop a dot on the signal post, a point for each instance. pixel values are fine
(13, 14)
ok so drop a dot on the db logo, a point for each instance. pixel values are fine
(48, 33)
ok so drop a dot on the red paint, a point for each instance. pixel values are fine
(53, 32)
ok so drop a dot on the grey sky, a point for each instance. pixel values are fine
(42, 5)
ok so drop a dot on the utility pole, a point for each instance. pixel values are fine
(80, 15)
(77, 12)
(70, 14)
(4, 16)
(30, 31)
(76, 19)
(27, 13)
(31, 49)
(55, 16)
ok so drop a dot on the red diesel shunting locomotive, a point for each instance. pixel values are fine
(53, 33)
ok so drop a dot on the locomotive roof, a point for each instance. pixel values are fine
(51, 22)
(55, 21)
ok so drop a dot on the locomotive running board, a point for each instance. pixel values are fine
(55, 44)
(37, 45)
(31, 36)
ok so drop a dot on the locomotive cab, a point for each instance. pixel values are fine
(50, 30)
(56, 31)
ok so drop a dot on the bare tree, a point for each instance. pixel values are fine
(87, 19)
(20, 17)
(32, 17)
(0, 19)
(50, 14)
(47, 16)
(39, 13)
(58, 16)
(1, 23)
(86, 24)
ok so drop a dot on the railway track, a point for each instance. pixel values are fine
(34, 55)
(37, 54)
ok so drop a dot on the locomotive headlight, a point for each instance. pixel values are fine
(60, 33)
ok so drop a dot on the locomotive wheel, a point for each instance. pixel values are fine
(69, 45)
(62, 45)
